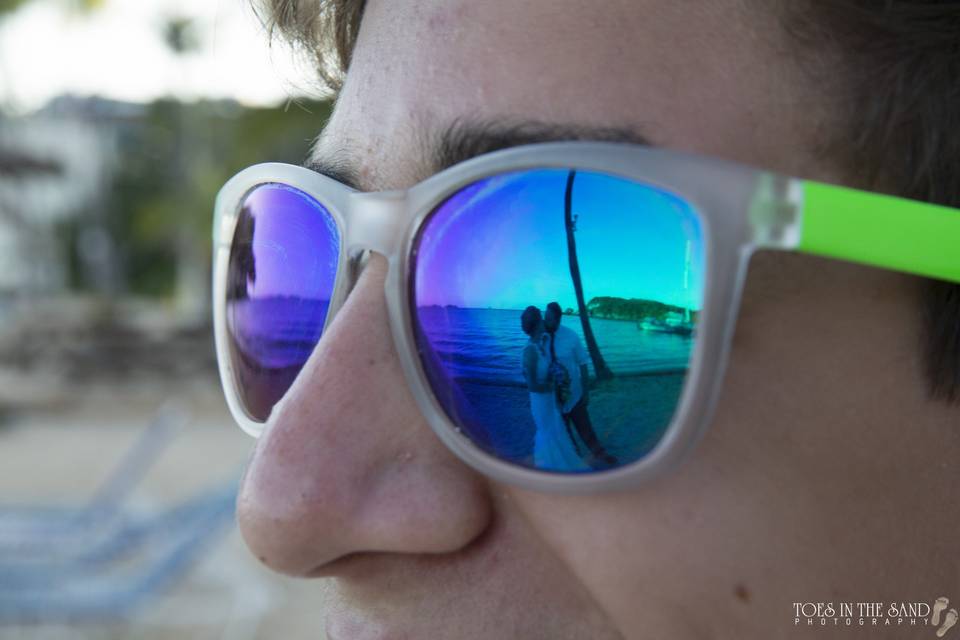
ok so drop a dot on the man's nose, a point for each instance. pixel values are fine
(347, 463)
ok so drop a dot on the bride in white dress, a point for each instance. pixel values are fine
(553, 447)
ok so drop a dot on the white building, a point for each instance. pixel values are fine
(53, 165)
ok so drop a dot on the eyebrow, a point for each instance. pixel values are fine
(465, 139)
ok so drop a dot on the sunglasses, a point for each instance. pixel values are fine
(563, 312)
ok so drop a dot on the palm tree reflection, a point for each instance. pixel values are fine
(599, 365)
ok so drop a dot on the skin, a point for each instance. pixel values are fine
(826, 475)
(551, 320)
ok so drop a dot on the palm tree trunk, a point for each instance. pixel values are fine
(603, 372)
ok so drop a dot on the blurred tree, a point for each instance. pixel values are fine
(600, 367)
(9, 6)
(171, 162)
(162, 196)
(181, 37)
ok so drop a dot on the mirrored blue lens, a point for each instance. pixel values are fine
(281, 274)
(555, 313)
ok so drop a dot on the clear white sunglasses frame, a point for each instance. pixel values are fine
(740, 209)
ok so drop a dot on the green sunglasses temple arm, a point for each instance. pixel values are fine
(880, 230)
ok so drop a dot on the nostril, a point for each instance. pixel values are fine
(348, 565)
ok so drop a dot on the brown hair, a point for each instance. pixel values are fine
(322, 30)
(895, 65)
(530, 319)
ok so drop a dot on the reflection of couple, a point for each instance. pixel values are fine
(555, 368)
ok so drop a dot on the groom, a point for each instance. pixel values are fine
(567, 350)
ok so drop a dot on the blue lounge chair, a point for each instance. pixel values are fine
(113, 578)
(27, 531)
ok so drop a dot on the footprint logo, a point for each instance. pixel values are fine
(938, 608)
(949, 620)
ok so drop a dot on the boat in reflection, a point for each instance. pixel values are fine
(672, 322)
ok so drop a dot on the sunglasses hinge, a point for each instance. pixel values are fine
(775, 212)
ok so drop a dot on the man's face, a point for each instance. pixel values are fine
(825, 475)
(551, 320)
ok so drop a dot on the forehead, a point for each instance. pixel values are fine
(711, 76)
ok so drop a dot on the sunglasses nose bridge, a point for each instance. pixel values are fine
(375, 222)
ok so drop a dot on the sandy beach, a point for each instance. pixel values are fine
(60, 455)
(628, 413)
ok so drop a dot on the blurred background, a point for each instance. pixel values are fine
(119, 121)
